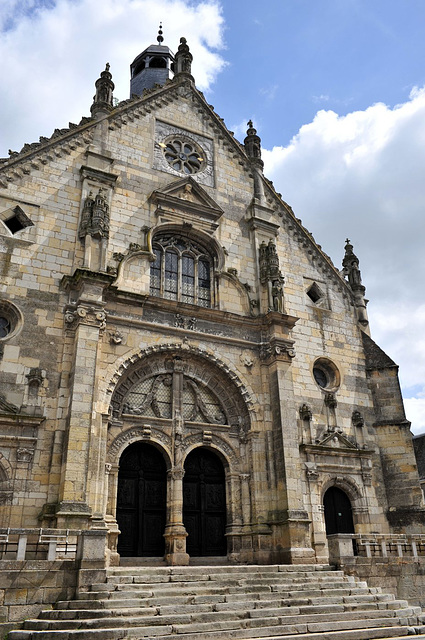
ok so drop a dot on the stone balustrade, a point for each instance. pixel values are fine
(343, 545)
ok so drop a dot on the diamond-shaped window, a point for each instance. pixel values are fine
(17, 221)
(315, 293)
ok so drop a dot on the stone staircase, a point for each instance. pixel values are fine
(227, 603)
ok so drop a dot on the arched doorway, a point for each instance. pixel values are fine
(338, 512)
(204, 504)
(141, 501)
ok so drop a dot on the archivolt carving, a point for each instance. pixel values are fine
(197, 439)
(348, 485)
(195, 363)
(134, 434)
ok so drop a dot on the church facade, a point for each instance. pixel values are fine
(181, 364)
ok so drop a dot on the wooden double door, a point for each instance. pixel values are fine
(142, 502)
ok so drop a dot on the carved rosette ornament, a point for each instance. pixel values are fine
(85, 315)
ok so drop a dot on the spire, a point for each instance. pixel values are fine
(153, 66)
(252, 144)
(102, 101)
(351, 268)
(183, 63)
(351, 272)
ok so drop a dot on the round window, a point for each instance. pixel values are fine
(183, 155)
(326, 374)
(10, 320)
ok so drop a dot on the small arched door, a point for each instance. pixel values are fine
(141, 501)
(338, 512)
(204, 504)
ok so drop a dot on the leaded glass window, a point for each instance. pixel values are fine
(182, 271)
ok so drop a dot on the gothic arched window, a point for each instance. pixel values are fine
(182, 270)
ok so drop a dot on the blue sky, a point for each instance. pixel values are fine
(335, 89)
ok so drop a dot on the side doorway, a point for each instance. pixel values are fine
(141, 501)
(204, 504)
(338, 512)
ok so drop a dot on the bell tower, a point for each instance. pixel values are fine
(155, 65)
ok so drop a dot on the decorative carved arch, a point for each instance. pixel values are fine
(226, 453)
(204, 239)
(350, 487)
(150, 435)
(240, 404)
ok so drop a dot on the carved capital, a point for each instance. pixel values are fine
(305, 412)
(311, 469)
(176, 474)
(331, 401)
(357, 419)
(277, 349)
(24, 455)
(83, 314)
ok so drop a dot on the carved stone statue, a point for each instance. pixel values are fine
(95, 216)
(252, 142)
(271, 276)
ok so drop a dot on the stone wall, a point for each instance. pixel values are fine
(28, 586)
(404, 577)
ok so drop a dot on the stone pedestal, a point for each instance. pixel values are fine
(296, 535)
(175, 545)
(340, 546)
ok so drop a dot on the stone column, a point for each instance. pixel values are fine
(175, 532)
(291, 514)
(85, 320)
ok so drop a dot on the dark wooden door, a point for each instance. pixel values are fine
(338, 513)
(141, 501)
(204, 504)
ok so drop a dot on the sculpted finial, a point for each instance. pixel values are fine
(159, 36)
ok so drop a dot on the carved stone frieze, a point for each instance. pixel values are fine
(181, 322)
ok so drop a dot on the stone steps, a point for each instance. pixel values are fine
(225, 603)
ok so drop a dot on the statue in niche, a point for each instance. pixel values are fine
(277, 296)
(271, 276)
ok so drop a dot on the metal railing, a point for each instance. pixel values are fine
(38, 544)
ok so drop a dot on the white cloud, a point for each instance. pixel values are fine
(52, 54)
(415, 411)
(361, 176)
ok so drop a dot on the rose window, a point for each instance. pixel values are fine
(183, 156)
